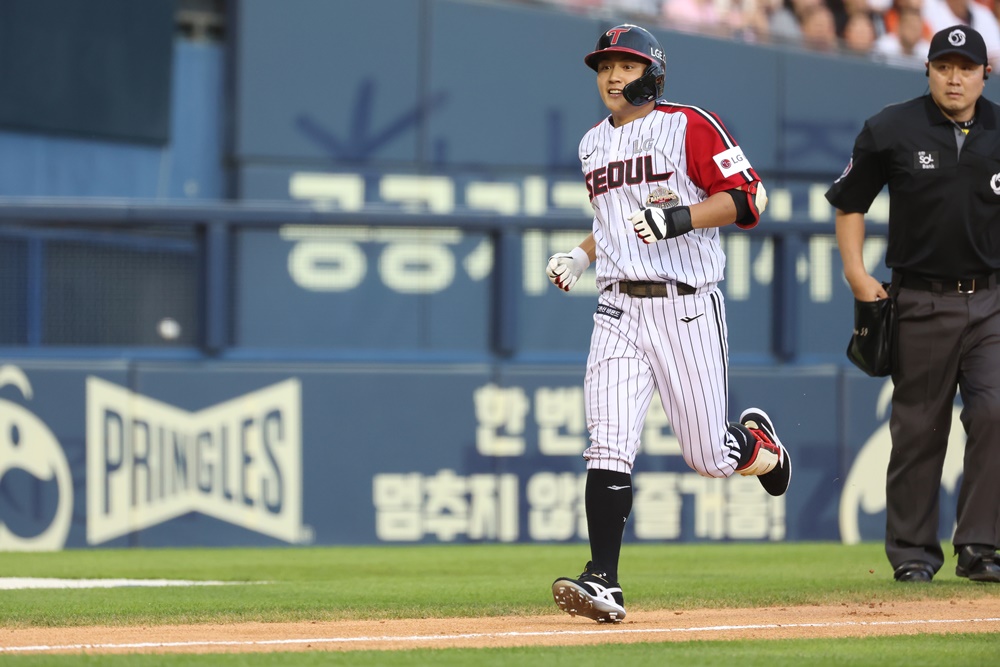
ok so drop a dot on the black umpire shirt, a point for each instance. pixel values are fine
(944, 193)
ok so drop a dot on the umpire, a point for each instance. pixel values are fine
(940, 156)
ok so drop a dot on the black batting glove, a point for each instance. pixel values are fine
(655, 224)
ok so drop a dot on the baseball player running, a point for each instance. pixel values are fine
(663, 178)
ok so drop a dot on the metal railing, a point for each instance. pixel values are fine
(207, 237)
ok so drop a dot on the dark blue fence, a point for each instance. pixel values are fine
(287, 281)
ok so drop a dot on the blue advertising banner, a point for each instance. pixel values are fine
(456, 86)
(228, 454)
(366, 288)
(443, 82)
(865, 424)
(363, 288)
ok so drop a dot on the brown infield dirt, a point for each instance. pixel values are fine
(845, 620)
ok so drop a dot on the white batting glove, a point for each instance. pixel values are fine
(655, 224)
(564, 269)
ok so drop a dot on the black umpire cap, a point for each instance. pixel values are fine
(960, 39)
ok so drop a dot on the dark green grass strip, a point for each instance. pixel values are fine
(967, 650)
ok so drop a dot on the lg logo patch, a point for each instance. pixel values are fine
(995, 184)
(731, 161)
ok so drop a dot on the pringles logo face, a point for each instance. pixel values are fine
(864, 488)
(28, 446)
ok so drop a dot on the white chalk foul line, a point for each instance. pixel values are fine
(485, 635)
(20, 583)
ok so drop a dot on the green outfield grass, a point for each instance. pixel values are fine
(966, 650)
(287, 584)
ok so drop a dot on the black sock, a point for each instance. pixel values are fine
(609, 502)
(747, 443)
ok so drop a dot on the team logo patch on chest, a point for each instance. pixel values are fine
(662, 198)
(925, 160)
(610, 311)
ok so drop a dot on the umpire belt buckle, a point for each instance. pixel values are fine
(967, 286)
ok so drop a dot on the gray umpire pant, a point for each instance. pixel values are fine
(946, 340)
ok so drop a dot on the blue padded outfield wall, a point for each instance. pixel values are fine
(346, 230)
(157, 454)
(487, 105)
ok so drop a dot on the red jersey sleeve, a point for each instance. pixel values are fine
(715, 162)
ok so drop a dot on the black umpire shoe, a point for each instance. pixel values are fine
(977, 562)
(592, 596)
(914, 571)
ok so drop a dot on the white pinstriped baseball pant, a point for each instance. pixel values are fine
(677, 345)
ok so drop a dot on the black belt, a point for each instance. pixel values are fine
(645, 288)
(947, 285)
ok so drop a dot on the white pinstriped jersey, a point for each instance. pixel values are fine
(683, 149)
(675, 345)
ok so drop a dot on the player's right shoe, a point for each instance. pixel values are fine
(770, 461)
(591, 595)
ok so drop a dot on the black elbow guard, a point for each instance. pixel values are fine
(750, 203)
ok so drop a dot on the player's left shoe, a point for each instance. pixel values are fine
(770, 461)
(591, 595)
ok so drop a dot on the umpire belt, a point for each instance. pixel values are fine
(946, 285)
(645, 288)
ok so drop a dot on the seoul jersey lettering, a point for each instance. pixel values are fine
(632, 171)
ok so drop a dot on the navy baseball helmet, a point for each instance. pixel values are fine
(628, 38)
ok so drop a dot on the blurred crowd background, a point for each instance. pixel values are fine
(897, 32)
